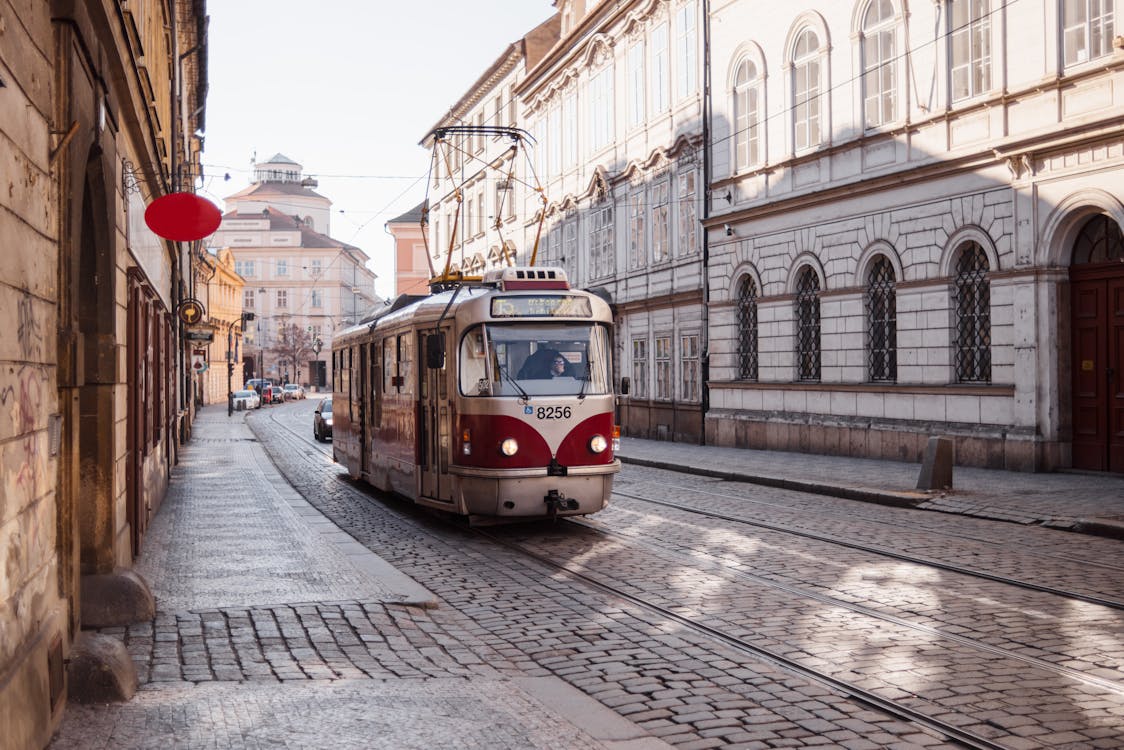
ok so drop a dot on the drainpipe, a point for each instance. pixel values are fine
(704, 373)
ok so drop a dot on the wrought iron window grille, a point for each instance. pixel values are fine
(882, 321)
(808, 326)
(747, 330)
(972, 302)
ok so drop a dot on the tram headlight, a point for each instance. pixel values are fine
(509, 447)
(598, 444)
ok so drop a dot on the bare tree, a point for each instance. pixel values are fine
(293, 347)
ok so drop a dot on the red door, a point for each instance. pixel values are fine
(1098, 373)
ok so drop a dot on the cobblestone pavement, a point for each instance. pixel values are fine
(276, 629)
(1085, 502)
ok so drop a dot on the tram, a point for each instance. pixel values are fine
(490, 399)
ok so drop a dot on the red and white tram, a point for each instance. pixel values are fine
(492, 400)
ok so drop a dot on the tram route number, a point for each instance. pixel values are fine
(553, 412)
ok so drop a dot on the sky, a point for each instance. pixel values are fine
(347, 89)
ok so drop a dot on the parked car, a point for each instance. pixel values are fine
(247, 400)
(272, 394)
(322, 420)
(293, 391)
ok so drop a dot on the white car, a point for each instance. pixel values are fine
(247, 400)
(292, 391)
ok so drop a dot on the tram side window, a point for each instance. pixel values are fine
(407, 346)
(388, 362)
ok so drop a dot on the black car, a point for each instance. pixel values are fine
(322, 420)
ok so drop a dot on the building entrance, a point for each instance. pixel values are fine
(1097, 315)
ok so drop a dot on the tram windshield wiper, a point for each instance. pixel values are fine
(522, 393)
(585, 380)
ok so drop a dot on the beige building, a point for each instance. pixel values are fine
(295, 274)
(222, 298)
(102, 101)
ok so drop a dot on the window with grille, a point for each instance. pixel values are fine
(808, 326)
(747, 329)
(663, 367)
(640, 368)
(1100, 241)
(689, 364)
(661, 220)
(972, 302)
(1087, 29)
(970, 47)
(747, 116)
(882, 321)
(806, 86)
(879, 49)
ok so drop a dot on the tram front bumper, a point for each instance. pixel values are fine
(531, 493)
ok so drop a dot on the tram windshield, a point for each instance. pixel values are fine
(535, 359)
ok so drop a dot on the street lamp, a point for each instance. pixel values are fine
(317, 345)
(230, 359)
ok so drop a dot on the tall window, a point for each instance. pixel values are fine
(689, 364)
(808, 325)
(315, 269)
(317, 298)
(570, 121)
(637, 257)
(554, 140)
(747, 329)
(601, 109)
(661, 223)
(570, 246)
(882, 321)
(636, 84)
(601, 239)
(806, 86)
(1087, 29)
(659, 71)
(971, 48)
(248, 299)
(686, 80)
(879, 48)
(282, 268)
(244, 268)
(688, 214)
(282, 298)
(663, 367)
(640, 368)
(747, 116)
(972, 302)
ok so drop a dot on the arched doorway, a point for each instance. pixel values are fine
(1097, 293)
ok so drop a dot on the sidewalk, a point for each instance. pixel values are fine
(1082, 502)
(275, 629)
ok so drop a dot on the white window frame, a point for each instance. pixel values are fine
(687, 202)
(969, 48)
(1086, 37)
(282, 267)
(601, 239)
(807, 91)
(661, 221)
(640, 367)
(878, 50)
(665, 375)
(689, 372)
(747, 95)
(659, 72)
(636, 85)
(570, 119)
(686, 46)
(637, 247)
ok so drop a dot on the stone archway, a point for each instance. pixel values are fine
(1096, 276)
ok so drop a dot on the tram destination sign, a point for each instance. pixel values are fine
(542, 306)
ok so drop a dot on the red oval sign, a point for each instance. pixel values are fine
(182, 217)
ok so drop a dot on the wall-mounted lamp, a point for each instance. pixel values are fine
(729, 230)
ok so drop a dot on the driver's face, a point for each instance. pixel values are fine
(558, 365)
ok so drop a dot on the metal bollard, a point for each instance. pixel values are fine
(936, 468)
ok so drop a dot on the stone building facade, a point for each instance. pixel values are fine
(617, 108)
(222, 297)
(915, 230)
(95, 125)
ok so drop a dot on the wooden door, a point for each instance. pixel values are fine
(1098, 373)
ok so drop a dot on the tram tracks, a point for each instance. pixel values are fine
(918, 708)
(890, 553)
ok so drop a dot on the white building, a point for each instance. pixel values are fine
(617, 110)
(295, 273)
(915, 229)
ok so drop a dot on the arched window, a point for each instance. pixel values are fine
(747, 116)
(807, 83)
(1100, 241)
(808, 325)
(882, 321)
(879, 50)
(747, 329)
(972, 302)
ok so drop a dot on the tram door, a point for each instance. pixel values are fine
(433, 422)
(360, 391)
